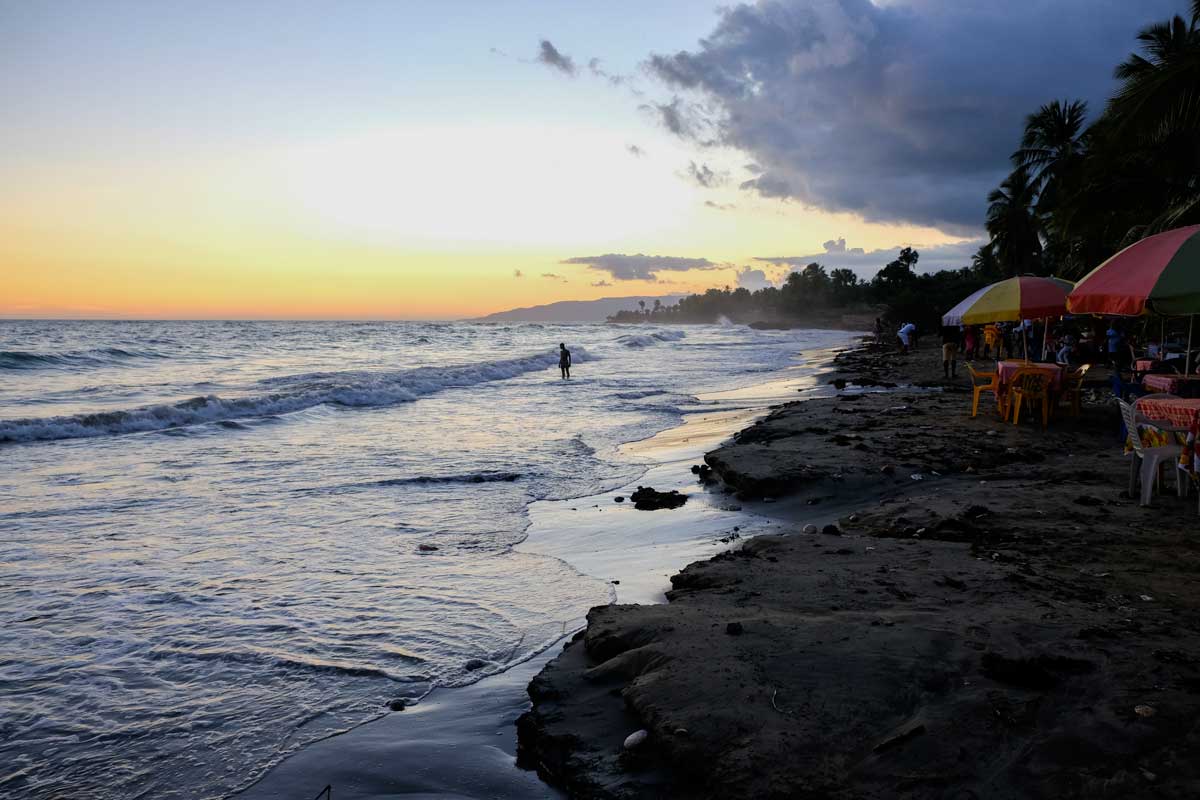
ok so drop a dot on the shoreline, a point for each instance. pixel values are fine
(395, 752)
(989, 616)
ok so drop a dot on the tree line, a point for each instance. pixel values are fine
(1080, 190)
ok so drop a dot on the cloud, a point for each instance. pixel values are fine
(903, 111)
(601, 283)
(866, 263)
(635, 150)
(549, 55)
(612, 77)
(752, 279)
(554, 277)
(518, 274)
(705, 176)
(621, 267)
(720, 206)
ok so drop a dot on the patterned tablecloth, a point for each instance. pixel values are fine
(1006, 369)
(1182, 385)
(1145, 364)
(1182, 413)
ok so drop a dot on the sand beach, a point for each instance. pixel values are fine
(978, 610)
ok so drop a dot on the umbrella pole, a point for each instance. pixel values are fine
(1187, 359)
(1045, 335)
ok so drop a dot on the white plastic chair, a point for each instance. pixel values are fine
(1152, 458)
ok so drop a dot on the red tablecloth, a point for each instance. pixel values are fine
(1145, 364)
(1006, 369)
(1182, 413)
(1185, 385)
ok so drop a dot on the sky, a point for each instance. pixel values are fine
(448, 159)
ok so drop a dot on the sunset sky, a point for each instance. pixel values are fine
(448, 159)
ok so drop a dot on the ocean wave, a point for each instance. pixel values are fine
(356, 389)
(100, 357)
(647, 339)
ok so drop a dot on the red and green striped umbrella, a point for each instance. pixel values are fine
(1023, 297)
(1161, 273)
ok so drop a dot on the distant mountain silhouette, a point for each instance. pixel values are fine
(578, 310)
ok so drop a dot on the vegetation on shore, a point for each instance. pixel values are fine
(1078, 193)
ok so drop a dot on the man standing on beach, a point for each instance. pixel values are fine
(564, 360)
(950, 335)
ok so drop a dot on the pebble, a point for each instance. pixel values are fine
(427, 548)
(1145, 711)
(734, 629)
(398, 704)
(810, 528)
(636, 739)
(618, 499)
(474, 664)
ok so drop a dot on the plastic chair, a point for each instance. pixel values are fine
(992, 385)
(1028, 387)
(1073, 388)
(1151, 458)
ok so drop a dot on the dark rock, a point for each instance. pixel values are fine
(427, 548)
(399, 704)
(831, 530)
(734, 629)
(1087, 500)
(618, 499)
(474, 664)
(648, 499)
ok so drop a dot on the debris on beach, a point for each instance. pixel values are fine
(636, 739)
(649, 499)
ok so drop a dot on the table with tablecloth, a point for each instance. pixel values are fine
(1180, 412)
(1005, 370)
(1182, 385)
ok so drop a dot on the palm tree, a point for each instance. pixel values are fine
(1155, 115)
(1052, 148)
(1013, 225)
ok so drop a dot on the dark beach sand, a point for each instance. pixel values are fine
(1009, 625)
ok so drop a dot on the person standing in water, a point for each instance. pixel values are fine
(564, 360)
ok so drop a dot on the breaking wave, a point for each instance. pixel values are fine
(101, 357)
(646, 339)
(356, 389)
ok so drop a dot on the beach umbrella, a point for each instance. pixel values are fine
(1159, 274)
(1023, 297)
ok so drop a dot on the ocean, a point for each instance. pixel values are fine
(223, 541)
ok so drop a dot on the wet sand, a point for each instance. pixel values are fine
(987, 614)
(461, 743)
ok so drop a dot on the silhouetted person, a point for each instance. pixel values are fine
(564, 360)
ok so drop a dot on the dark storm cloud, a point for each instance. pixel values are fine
(622, 267)
(901, 113)
(549, 55)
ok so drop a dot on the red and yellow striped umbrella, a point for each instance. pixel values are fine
(1161, 273)
(1024, 297)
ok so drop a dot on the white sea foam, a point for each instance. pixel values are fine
(288, 394)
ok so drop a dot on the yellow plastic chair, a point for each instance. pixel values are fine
(1072, 393)
(1028, 387)
(992, 385)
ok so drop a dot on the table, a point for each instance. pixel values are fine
(1181, 412)
(1182, 385)
(1006, 369)
(1145, 364)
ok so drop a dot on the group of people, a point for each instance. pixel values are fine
(1068, 342)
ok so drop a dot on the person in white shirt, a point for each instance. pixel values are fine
(906, 333)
